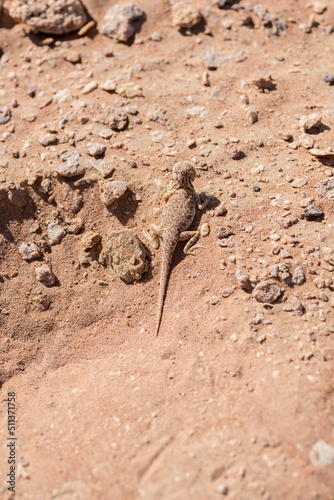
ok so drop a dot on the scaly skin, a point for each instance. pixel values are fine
(177, 216)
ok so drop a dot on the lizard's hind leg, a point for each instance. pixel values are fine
(153, 236)
(192, 236)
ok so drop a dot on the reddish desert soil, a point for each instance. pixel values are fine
(232, 396)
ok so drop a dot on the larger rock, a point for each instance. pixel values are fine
(311, 121)
(112, 191)
(322, 454)
(266, 291)
(54, 16)
(72, 165)
(122, 21)
(126, 254)
(5, 115)
(325, 189)
(185, 15)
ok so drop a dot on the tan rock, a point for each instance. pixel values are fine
(54, 16)
(185, 15)
(126, 254)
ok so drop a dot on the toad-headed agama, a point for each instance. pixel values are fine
(178, 214)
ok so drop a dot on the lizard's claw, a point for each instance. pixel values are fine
(191, 251)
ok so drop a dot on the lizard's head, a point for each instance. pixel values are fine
(184, 173)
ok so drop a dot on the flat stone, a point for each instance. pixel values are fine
(298, 183)
(112, 191)
(104, 167)
(322, 152)
(106, 133)
(72, 165)
(213, 60)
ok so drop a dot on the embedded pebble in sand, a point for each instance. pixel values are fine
(45, 275)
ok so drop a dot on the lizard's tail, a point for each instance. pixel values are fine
(167, 254)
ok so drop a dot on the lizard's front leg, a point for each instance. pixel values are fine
(192, 236)
(200, 205)
(153, 235)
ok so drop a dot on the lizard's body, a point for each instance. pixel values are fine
(178, 214)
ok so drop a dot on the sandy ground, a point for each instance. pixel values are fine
(234, 395)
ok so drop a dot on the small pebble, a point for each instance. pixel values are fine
(45, 275)
(95, 149)
(311, 213)
(55, 233)
(328, 78)
(47, 139)
(89, 87)
(29, 251)
(220, 210)
(112, 191)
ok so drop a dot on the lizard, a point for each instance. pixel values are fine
(178, 214)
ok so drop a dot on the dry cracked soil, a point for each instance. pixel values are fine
(234, 398)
